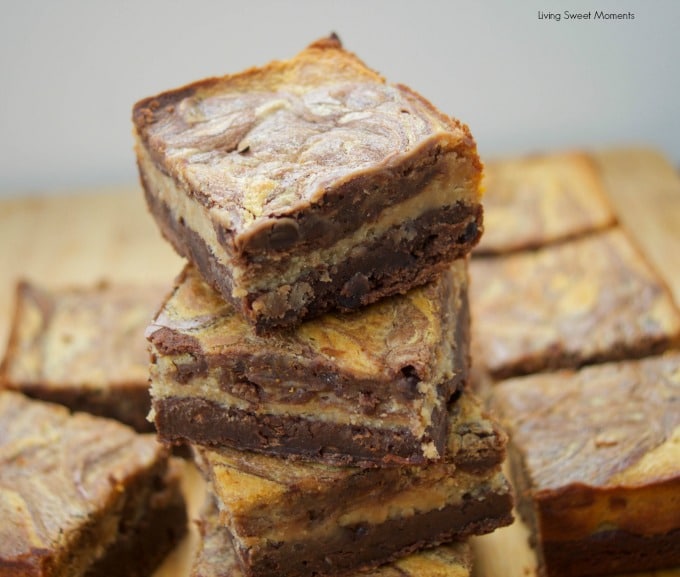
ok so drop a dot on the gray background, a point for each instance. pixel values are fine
(71, 70)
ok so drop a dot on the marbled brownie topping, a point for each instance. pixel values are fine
(586, 301)
(84, 347)
(595, 455)
(538, 200)
(81, 495)
(308, 184)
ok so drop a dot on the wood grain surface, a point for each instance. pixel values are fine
(75, 239)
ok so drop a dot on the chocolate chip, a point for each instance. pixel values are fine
(469, 235)
(246, 390)
(185, 371)
(354, 289)
(407, 385)
(284, 234)
(368, 403)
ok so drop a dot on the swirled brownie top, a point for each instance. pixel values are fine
(196, 320)
(270, 140)
(63, 476)
(616, 424)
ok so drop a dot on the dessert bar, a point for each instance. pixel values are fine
(309, 184)
(595, 457)
(538, 200)
(84, 348)
(313, 519)
(82, 495)
(589, 300)
(216, 558)
(367, 388)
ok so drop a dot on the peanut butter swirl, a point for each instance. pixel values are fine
(591, 300)
(597, 426)
(270, 140)
(196, 320)
(89, 337)
(62, 484)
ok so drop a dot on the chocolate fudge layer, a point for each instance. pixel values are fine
(590, 300)
(81, 495)
(538, 200)
(84, 348)
(595, 456)
(367, 388)
(216, 558)
(309, 184)
(302, 519)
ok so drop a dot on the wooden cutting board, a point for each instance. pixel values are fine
(81, 238)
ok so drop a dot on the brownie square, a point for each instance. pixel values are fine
(84, 347)
(595, 456)
(368, 388)
(81, 495)
(216, 557)
(308, 184)
(537, 200)
(594, 299)
(304, 518)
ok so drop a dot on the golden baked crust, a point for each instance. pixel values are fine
(537, 200)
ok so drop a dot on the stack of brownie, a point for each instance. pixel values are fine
(315, 350)
(575, 342)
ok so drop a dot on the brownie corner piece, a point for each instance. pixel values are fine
(82, 495)
(595, 463)
(309, 184)
(369, 388)
(83, 347)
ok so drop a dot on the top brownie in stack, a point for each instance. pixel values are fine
(309, 184)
